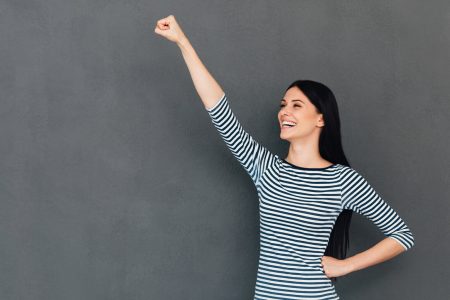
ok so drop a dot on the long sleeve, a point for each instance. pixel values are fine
(358, 195)
(250, 154)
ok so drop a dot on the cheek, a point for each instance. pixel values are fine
(307, 117)
(307, 122)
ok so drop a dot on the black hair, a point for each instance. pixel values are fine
(330, 148)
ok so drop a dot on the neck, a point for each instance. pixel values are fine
(305, 153)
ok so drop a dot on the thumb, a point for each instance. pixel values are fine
(162, 32)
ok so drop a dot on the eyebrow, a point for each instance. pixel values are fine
(294, 100)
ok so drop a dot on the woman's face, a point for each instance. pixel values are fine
(296, 107)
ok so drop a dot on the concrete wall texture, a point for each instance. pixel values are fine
(114, 183)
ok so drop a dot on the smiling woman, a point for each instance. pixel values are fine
(302, 122)
(299, 208)
(305, 200)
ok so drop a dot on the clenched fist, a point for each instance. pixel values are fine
(169, 28)
(334, 267)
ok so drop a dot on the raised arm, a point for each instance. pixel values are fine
(250, 154)
(207, 87)
(254, 157)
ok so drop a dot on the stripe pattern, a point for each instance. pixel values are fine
(298, 208)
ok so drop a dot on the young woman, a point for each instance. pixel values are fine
(306, 199)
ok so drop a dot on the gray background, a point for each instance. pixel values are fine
(114, 183)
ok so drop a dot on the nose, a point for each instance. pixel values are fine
(284, 111)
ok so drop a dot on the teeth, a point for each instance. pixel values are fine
(288, 123)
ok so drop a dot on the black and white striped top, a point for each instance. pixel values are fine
(298, 208)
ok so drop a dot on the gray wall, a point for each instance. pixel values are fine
(115, 185)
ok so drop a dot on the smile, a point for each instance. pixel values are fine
(288, 124)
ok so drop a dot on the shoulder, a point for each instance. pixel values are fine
(348, 174)
(346, 169)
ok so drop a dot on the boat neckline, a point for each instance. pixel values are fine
(305, 168)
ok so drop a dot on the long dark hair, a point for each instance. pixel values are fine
(330, 148)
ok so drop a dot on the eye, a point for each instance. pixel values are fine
(295, 105)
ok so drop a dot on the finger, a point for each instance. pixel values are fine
(159, 31)
(163, 23)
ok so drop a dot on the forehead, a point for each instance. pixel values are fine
(295, 93)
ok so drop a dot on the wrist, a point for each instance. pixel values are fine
(349, 265)
(183, 42)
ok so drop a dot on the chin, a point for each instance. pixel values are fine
(284, 138)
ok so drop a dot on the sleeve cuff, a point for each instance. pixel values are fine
(216, 105)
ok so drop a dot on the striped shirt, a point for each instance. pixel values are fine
(298, 207)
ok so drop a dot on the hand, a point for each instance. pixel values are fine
(334, 267)
(169, 28)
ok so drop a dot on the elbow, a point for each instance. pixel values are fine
(411, 241)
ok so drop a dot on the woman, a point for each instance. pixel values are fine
(305, 200)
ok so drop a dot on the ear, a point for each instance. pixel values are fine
(320, 121)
